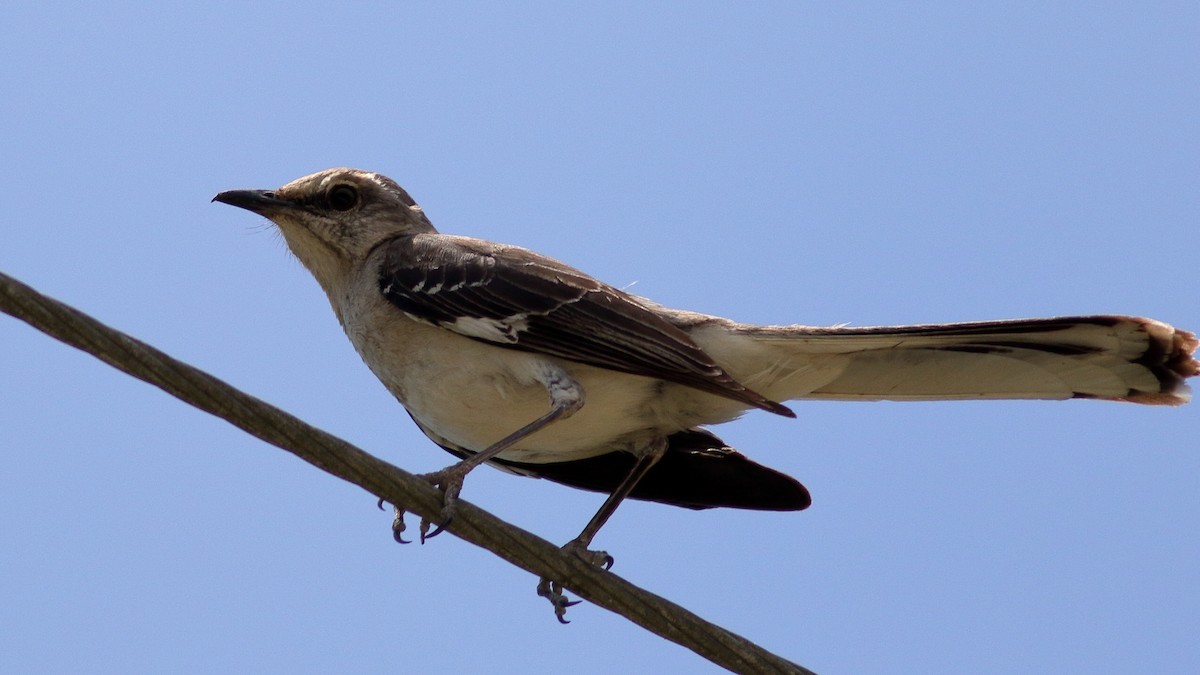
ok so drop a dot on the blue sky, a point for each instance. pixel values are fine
(780, 163)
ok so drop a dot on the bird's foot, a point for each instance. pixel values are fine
(450, 482)
(553, 591)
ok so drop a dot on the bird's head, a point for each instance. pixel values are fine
(332, 219)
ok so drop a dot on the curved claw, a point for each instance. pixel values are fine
(448, 511)
(449, 481)
(552, 591)
(398, 525)
(436, 531)
(426, 534)
(560, 607)
(600, 559)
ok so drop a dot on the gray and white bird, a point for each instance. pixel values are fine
(505, 356)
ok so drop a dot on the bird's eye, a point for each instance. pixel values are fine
(342, 197)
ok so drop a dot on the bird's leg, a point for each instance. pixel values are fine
(566, 398)
(552, 589)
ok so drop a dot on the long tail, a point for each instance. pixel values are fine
(1115, 358)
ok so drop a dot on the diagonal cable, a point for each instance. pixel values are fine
(337, 457)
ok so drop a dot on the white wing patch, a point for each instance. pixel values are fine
(493, 330)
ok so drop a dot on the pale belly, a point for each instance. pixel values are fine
(486, 392)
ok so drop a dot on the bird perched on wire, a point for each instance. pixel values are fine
(505, 356)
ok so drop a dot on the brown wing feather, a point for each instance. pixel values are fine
(518, 299)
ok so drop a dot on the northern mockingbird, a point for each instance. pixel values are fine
(505, 356)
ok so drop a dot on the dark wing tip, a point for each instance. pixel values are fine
(779, 409)
(735, 390)
(723, 384)
(698, 471)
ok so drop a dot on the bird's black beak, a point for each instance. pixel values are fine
(261, 202)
